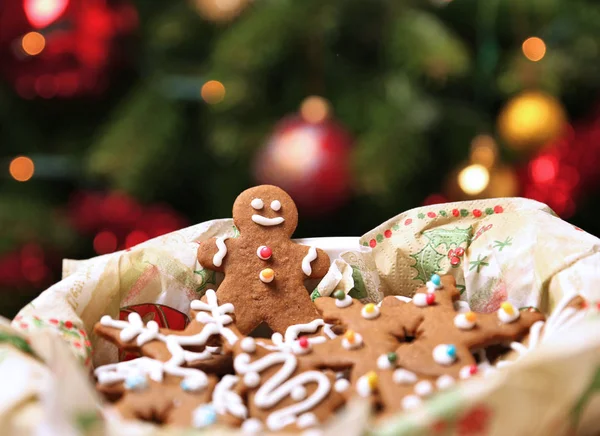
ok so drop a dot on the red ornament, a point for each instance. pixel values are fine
(311, 161)
(303, 342)
(430, 299)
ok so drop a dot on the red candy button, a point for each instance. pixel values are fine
(264, 252)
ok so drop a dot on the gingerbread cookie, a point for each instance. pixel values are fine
(265, 270)
(401, 352)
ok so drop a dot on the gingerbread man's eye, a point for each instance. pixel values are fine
(275, 205)
(257, 204)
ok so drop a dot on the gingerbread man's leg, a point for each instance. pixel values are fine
(294, 306)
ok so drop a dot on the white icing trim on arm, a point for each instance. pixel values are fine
(310, 256)
(220, 255)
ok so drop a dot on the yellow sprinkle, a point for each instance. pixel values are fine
(349, 335)
(267, 273)
(470, 316)
(372, 379)
(507, 307)
(370, 308)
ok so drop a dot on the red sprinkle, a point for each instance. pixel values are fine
(430, 299)
(455, 212)
(68, 324)
(387, 233)
(431, 214)
(303, 341)
(498, 209)
(473, 369)
(372, 243)
(477, 213)
(266, 252)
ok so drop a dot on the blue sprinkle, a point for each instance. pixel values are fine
(205, 415)
(436, 279)
(451, 350)
(136, 381)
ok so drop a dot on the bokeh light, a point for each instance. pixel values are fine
(543, 169)
(136, 237)
(534, 48)
(33, 43)
(21, 168)
(314, 109)
(213, 92)
(483, 150)
(473, 179)
(105, 242)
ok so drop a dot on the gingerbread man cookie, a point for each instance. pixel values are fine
(265, 270)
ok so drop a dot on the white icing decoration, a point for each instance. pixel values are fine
(227, 401)
(258, 252)
(214, 318)
(266, 279)
(248, 345)
(404, 377)
(507, 318)
(257, 204)
(356, 344)
(341, 385)
(136, 382)
(310, 256)
(192, 384)
(281, 385)
(444, 382)
(312, 432)
(461, 306)
(252, 426)
(411, 402)
(267, 222)
(276, 205)
(298, 393)
(347, 301)
(424, 388)
(484, 366)
(307, 420)
(432, 287)
(420, 300)
(465, 372)
(401, 298)
(362, 387)
(251, 379)
(329, 332)
(441, 356)
(220, 255)
(463, 323)
(370, 315)
(203, 416)
(383, 362)
(290, 344)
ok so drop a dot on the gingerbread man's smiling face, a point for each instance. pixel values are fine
(265, 208)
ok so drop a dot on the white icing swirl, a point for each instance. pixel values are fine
(290, 344)
(248, 345)
(462, 322)
(251, 379)
(226, 400)
(307, 420)
(220, 255)
(267, 222)
(424, 388)
(347, 301)
(441, 356)
(444, 381)
(404, 377)
(252, 426)
(280, 385)
(310, 256)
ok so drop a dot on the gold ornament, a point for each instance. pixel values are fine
(220, 10)
(530, 120)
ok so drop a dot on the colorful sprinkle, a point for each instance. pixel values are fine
(392, 357)
(264, 252)
(267, 275)
(350, 336)
(451, 351)
(436, 279)
(470, 316)
(372, 379)
(303, 342)
(370, 308)
(430, 299)
(508, 308)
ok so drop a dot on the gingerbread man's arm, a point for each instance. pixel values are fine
(315, 262)
(212, 254)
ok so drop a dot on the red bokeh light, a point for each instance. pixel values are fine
(134, 238)
(543, 169)
(105, 242)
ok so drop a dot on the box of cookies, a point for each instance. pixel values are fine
(469, 318)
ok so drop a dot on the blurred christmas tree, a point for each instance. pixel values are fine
(125, 112)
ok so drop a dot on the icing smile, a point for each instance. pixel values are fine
(264, 221)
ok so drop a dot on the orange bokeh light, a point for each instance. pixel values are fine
(213, 92)
(534, 48)
(21, 168)
(33, 43)
(314, 109)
